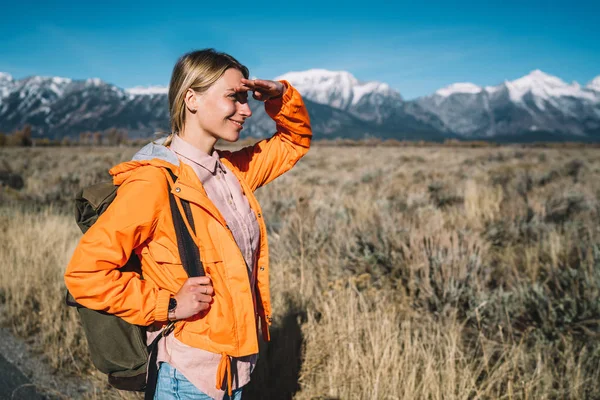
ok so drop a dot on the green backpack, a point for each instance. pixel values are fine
(118, 348)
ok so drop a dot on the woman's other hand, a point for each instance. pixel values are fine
(262, 90)
(194, 296)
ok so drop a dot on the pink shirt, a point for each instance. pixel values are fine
(223, 189)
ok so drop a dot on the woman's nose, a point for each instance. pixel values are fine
(245, 110)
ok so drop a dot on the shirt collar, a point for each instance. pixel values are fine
(194, 154)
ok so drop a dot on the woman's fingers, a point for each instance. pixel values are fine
(194, 296)
(202, 298)
(202, 289)
(262, 90)
(250, 82)
(243, 88)
(198, 280)
(259, 84)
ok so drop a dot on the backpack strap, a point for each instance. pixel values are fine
(188, 249)
(189, 254)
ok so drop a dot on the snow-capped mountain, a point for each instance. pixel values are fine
(537, 106)
(6, 84)
(145, 90)
(59, 107)
(594, 84)
(537, 102)
(30, 98)
(339, 89)
(542, 86)
(372, 102)
(327, 122)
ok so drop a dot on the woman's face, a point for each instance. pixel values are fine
(221, 110)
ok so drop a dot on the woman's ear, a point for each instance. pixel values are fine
(191, 101)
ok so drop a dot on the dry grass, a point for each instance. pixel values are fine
(397, 273)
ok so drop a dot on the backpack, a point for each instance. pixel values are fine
(118, 348)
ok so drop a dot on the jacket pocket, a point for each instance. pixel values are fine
(217, 323)
(164, 254)
(211, 260)
(168, 254)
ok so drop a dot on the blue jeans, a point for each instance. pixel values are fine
(173, 385)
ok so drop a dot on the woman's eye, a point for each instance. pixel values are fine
(240, 97)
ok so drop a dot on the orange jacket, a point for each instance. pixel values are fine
(140, 220)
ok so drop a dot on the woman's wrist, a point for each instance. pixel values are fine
(281, 92)
(283, 89)
(172, 308)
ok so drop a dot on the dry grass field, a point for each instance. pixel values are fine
(397, 272)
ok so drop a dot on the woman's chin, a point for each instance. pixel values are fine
(231, 138)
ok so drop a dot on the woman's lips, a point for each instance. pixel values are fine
(238, 124)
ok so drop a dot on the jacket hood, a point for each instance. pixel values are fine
(154, 153)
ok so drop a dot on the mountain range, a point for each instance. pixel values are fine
(537, 106)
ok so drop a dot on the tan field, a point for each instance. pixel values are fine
(397, 272)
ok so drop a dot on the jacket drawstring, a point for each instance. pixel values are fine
(224, 367)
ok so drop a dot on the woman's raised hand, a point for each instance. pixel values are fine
(263, 90)
(194, 296)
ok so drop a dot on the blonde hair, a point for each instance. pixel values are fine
(196, 70)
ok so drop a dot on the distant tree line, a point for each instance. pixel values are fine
(20, 138)
(119, 137)
(108, 137)
(376, 142)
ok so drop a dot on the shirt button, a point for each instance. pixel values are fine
(218, 177)
(178, 189)
(262, 268)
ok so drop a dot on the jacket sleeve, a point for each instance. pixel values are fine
(269, 158)
(93, 276)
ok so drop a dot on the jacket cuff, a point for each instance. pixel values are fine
(161, 311)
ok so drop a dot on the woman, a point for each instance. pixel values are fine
(217, 316)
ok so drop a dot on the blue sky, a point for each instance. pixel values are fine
(417, 47)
